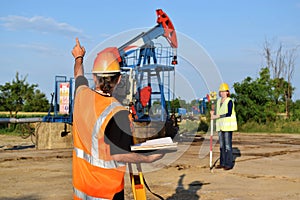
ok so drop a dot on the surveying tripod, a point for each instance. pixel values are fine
(138, 183)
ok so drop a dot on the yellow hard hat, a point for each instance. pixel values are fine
(106, 63)
(224, 87)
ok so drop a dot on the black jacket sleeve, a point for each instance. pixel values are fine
(230, 106)
(118, 133)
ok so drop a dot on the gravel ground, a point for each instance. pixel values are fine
(266, 167)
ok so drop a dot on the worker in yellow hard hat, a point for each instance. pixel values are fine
(101, 130)
(225, 124)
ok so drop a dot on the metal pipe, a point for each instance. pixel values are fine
(21, 120)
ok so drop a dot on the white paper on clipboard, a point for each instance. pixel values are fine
(155, 144)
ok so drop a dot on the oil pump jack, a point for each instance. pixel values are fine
(148, 68)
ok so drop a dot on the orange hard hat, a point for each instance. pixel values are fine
(224, 87)
(106, 63)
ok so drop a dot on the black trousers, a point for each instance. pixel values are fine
(119, 196)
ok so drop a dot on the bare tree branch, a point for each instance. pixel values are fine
(281, 64)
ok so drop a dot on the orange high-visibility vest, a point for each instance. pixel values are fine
(95, 174)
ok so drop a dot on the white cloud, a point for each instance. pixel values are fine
(39, 24)
(39, 48)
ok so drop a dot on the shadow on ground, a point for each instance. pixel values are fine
(20, 147)
(186, 194)
(20, 198)
(236, 153)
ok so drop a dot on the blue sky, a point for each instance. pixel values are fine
(36, 37)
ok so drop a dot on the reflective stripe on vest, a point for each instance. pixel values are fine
(97, 127)
(97, 162)
(94, 158)
(84, 196)
(226, 123)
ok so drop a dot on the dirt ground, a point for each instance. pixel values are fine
(267, 166)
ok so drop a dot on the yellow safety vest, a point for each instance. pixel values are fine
(225, 123)
(95, 174)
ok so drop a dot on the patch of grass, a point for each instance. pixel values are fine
(9, 130)
(188, 126)
(280, 126)
(24, 114)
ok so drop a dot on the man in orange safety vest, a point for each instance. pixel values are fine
(101, 130)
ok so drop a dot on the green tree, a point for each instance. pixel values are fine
(37, 102)
(175, 104)
(281, 62)
(261, 100)
(295, 110)
(194, 102)
(15, 95)
(253, 99)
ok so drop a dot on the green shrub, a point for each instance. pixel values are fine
(280, 126)
(203, 126)
(188, 126)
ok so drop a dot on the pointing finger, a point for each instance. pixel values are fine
(77, 42)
